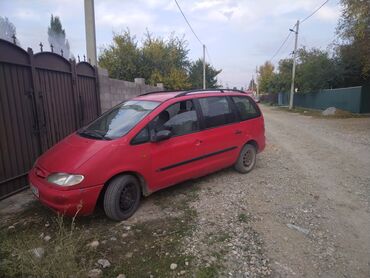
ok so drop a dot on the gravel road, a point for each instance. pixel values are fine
(302, 212)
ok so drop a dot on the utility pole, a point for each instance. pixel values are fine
(294, 62)
(90, 31)
(204, 67)
(258, 92)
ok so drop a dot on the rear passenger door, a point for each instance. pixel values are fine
(220, 138)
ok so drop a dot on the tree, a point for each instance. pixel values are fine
(165, 61)
(252, 85)
(196, 75)
(266, 74)
(354, 29)
(57, 37)
(122, 57)
(158, 60)
(315, 70)
(7, 30)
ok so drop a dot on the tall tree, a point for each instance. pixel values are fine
(315, 70)
(7, 30)
(252, 85)
(157, 60)
(57, 37)
(354, 29)
(122, 57)
(266, 75)
(196, 75)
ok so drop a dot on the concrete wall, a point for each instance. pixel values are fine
(114, 91)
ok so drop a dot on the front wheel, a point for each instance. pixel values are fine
(246, 159)
(122, 197)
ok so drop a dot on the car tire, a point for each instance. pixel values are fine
(246, 159)
(122, 197)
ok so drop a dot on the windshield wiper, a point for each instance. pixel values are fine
(94, 134)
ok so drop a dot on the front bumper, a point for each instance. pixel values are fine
(65, 201)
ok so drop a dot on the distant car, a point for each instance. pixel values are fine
(146, 144)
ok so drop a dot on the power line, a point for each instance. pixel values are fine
(191, 28)
(315, 11)
(281, 46)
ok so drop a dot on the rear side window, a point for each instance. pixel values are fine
(216, 111)
(246, 109)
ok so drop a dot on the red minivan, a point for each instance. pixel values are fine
(146, 144)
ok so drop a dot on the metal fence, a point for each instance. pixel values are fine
(353, 99)
(43, 98)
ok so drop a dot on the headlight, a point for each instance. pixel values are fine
(63, 179)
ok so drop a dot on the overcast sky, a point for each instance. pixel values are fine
(239, 34)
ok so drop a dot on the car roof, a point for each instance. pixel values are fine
(162, 96)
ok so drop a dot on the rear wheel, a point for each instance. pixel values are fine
(247, 159)
(122, 197)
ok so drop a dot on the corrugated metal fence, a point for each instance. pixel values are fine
(353, 99)
(43, 98)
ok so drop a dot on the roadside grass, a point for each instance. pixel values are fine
(139, 249)
(339, 114)
(242, 217)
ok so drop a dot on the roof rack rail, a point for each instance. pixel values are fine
(162, 91)
(208, 90)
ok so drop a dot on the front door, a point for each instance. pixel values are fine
(174, 159)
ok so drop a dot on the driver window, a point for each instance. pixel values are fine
(180, 118)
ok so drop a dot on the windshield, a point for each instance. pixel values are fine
(119, 120)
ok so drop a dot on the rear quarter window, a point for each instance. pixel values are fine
(246, 108)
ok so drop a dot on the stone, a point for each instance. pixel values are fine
(94, 244)
(121, 276)
(47, 238)
(329, 111)
(128, 255)
(38, 252)
(95, 273)
(299, 229)
(11, 227)
(173, 266)
(104, 263)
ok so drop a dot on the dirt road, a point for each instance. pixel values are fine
(302, 212)
(306, 203)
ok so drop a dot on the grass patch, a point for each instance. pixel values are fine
(136, 250)
(28, 254)
(208, 271)
(242, 217)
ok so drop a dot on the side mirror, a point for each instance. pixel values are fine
(162, 135)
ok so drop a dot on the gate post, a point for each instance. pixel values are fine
(97, 91)
(76, 95)
(34, 93)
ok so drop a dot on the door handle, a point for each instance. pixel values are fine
(238, 132)
(198, 142)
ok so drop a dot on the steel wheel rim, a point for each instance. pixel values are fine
(248, 158)
(128, 197)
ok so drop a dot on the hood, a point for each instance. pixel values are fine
(70, 153)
